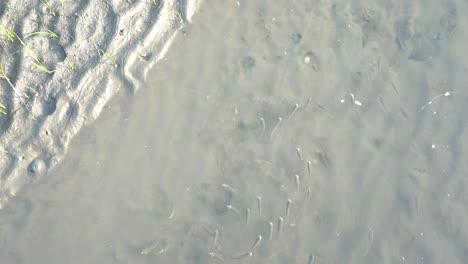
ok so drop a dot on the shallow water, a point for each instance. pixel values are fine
(370, 96)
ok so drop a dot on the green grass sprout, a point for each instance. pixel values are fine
(109, 56)
(49, 7)
(181, 19)
(41, 66)
(32, 89)
(3, 109)
(48, 32)
(8, 33)
(3, 74)
(5, 77)
(70, 64)
(37, 63)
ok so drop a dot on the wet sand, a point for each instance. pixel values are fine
(341, 124)
(62, 61)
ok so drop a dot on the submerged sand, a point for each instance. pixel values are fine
(364, 101)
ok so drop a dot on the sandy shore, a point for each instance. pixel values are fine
(61, 62)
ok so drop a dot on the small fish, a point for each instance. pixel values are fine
(157, 246)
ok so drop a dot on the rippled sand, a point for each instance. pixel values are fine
(61, 62)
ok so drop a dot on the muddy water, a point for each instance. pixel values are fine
(333, 131)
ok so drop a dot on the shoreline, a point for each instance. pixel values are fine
(64, 62)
